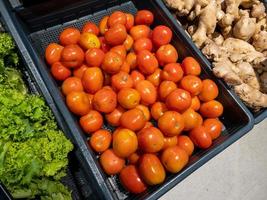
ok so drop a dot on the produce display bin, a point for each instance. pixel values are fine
(259, 115)
(33, 29)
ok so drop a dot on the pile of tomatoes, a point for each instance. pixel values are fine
(127, 74)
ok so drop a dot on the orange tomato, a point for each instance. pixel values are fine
(209, 90)
(191, 66)
(155, 78)
(121, 80)
(60, 72)
(78, 103)
(213, 127)
(112, 63)
(195, 104)
(103, 25)
(145, 110)
(125, 67)
(90, 27)
(128, 98)
(105, 100)
(147, 125)
(53, 53)
(100, 140)
(133, 119)
(172, 72)
(116, 35)
(78, 72)
(171, 123)
(178, 100)
(174, 159)
(133, 158)
(186, 144)
(145, 17)
(72, 56)
(147, 91)
(69, 36)
(72, 84)
(120, 49)
(131, 60)
(165, 88)
(161, 35)
(151, 169)
(111, 163)
(140, 31)
(124, 143)
(94, 57)
(169, 142)
(211, 109)
(192, 84)
(142, 44)
(150, 140)
(90, 98)
(200, 137)
(191, 119)
(128, 43)
(113, 118)
(117, 17)
(89, 40)
(146, 62)
(158, 109)
(166, 54)
(91, 122)
(92, 79)
(137, 77)
(129, 21)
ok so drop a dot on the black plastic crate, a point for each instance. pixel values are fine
(32, 40)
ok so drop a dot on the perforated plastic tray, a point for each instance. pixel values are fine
(33, 38)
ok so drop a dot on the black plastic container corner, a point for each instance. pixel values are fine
(259, 115)
(33, 32)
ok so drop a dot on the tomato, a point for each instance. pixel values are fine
(94, 57)
(140, 31)
(169, 142)
(150, 140)
(121, 80)
(191, 66)
(60, 72)
(69, 36)
(147, 91)
(145, 110)
(112, 63)
(120, 49)
(116, 35)
(128, 43)
(142, 44)
(113, 118)
(103, 25)
(200, 137)
(131, 60)
(131, 180)
(105, 100)
(72, 56)
(166, 54)
(147, 125)
(111, 163)
(133, 119)
(211, 109)
(107, 79)
(72, 84)
(151, 169)
(125, 67)
(186, 144)
(124, 143)
(165, 88)
(53, 53)
(192, 84)
(104, 45)
(178, 100)
(100, 140)
(78, 72)
(171, 123)
(90, 27)
(161, 35)
(91, 122)
(128, 98)
(117, 17)
(137, 77)
(146, 62)
(92, 79)
(209, 90)
(158, 109)
(191, 119)
(89, 40)
(144, 17)
(78, 103)
(172, 72)
(195, 104)
(213, 127)
(129, 21)
(174, 159)
(155, 78)
(133, 158)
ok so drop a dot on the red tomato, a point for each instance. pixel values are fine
(131, 180)
(133, 158)
(92, 79)
(100, 140)
(140, 31)
(158, 109)
(104, 45)
(121, 80)
(211, 109)
(186, 144)
(116, 35)
(146, 62)
(90, 27)
(120, 49)
(129, 21)
(172, 72)
(213, 127)
(142, 44)
(91, 122)
(161, 35)
(144, 17)
(137, 77)
(72, 56)
(191, 66)
(72, 84)
(78, 72)
(69, 36)
(111, 163)
(105, 100)
(53, 53)
(200, 137)
(147, 91)
(165, 88)
(133, 119)
(166, 54)
(209, 90)
(112, 63)
(125, 67)
(60, 72)
(117, 17)
(178, 100)
(113, 118)
(78, 103)
(94, 57)
(192, 84)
